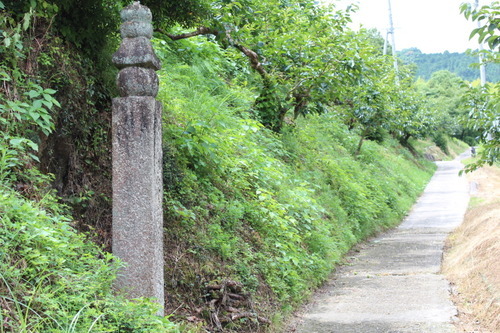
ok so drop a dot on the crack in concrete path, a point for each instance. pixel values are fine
(394, 283)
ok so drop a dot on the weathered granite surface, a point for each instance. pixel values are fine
(137, 196)
(137, 81)
(137, 161)
(136, 52)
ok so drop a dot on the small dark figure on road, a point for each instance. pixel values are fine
(473, 151)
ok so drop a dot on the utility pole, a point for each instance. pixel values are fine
(482, 68)
(390, 31)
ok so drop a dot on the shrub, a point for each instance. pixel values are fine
(55, 280)
(440, 141)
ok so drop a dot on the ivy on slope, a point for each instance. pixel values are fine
(275, 212)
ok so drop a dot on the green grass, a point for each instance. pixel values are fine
(455, 147)
(475, 201)
(53, 279)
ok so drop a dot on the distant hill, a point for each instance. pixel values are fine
(458, 63)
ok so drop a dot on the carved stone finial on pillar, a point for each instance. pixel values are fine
(137, 160)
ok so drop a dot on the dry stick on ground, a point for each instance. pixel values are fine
(229, 297)
(250, 315)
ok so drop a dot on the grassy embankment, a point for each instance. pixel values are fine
(273, 212)
(267, 216)
(453, 148)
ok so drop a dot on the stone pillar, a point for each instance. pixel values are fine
(137, 160)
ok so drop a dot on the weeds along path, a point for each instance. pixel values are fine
(393, 284)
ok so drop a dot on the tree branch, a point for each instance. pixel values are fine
(251, 55)
(197, 32)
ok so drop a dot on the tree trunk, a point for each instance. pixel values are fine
(404, 139)
(360, 143)
(300, 102)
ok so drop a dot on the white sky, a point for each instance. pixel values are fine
(433, 26)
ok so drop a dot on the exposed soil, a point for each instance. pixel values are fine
(471, 262)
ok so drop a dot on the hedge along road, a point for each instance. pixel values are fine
(393, 284)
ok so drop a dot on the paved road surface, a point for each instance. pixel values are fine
(393, 284)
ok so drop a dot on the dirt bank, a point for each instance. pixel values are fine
(471, 261)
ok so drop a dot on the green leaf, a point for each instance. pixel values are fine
(32, 145)
(49, 91)
(473, 32)
(34, 115)
(33, 93)
(16, 142)
(48, 104)
(190, 130)
(26, 23)
(5, 77)
(37, 104)
(494, 43)
(33, 156)
(46, 118)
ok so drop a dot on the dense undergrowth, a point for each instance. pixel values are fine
(54, 117)
(274, 212)
(54, 280)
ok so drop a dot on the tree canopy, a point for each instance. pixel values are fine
(483, 103)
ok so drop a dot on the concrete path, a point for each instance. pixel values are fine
(394, 283)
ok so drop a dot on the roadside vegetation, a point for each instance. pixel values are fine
(471, 257)
(287, 139)
(274, 213)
